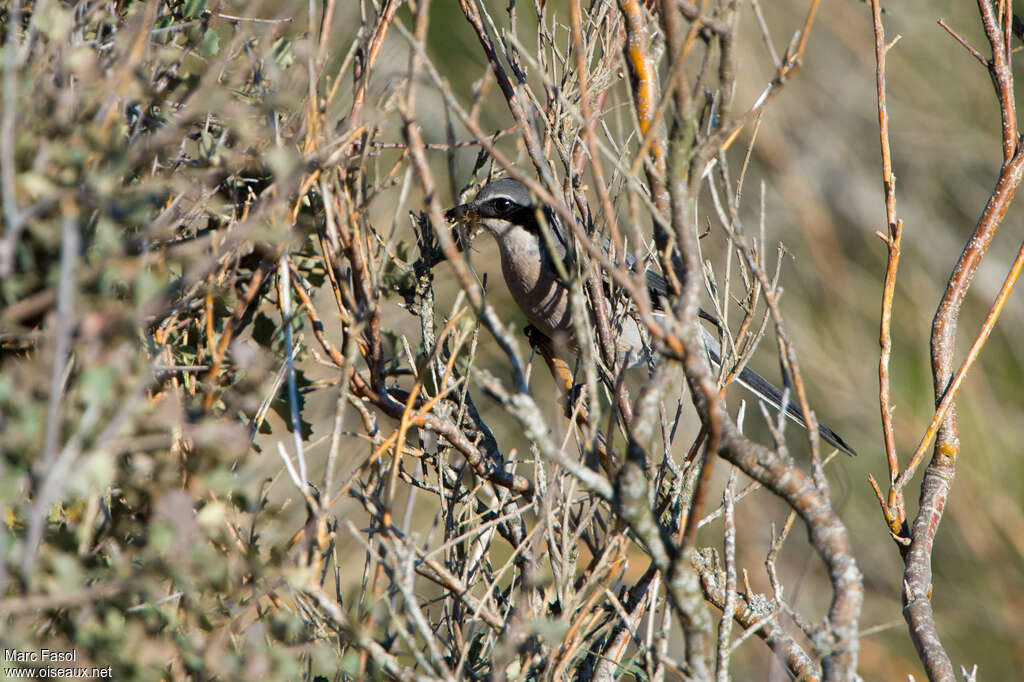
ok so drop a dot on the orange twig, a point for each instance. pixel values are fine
(972, 354)
(893, 509)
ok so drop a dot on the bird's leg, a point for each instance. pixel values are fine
(557, 366)
(572, 395)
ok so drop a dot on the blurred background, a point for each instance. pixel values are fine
(817, 159)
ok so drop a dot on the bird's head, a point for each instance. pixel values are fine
(503, 207)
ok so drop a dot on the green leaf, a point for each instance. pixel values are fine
(282, 52)
(207, 145)
(210, 44)
(97, 384)
(193, 9)
(281, 407)
(148, 285)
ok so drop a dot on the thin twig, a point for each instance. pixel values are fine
(893, 510)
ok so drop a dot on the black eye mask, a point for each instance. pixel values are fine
(502, 207)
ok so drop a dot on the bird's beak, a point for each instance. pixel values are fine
(461, 213)
(464, 219)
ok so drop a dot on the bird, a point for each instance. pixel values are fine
(505, 208)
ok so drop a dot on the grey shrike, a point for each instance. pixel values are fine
(504, 207)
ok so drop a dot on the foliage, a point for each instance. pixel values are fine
(263, 413)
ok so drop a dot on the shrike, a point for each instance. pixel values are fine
(504, 207)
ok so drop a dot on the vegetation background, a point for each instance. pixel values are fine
(152, 156)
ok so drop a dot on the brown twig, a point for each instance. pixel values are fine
(694, 13)
(588, 135)
(966, 45)
(949, 394)
(828, 536)
(940, 472)
(893, 509)
(436, 146)
(517, 105)
(362, 76)
(256, 285)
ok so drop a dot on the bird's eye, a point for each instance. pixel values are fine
(502, 205)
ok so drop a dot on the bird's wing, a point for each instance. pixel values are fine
(748, 378)
(656, 284)
(558, 237)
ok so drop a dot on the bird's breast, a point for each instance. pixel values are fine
(535, 286)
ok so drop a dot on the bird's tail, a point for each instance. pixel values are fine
(766, 391)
